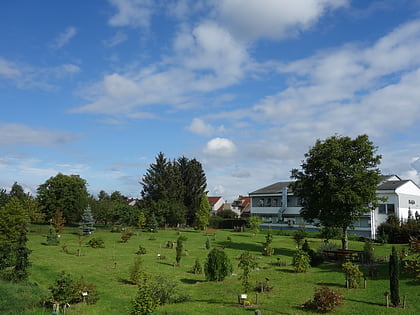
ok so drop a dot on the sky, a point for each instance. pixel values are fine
(98, 88)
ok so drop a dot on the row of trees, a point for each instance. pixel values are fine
(174, 192)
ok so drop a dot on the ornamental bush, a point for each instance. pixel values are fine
(217, 266)
(96, 243)
(324, 300)
(353, 274)
(301, 261)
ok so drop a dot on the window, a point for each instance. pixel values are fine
(386, 208)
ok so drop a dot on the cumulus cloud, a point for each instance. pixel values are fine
(274, 19)
(198, 126)
(117, 39)
(135, 13)
(18, 134)
(220, 147)
(64, 37)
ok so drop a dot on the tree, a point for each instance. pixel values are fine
(180, 248)
(145, 301)
(67, 193)
(57, 221)
(203, 213)
(13, 217)
(87, 222)
(394, 277)
(217, 266)
(141, 221)
(247, 263)
(338, 181)
(254, 223)
(20, 270)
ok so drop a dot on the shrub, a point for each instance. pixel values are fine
(301, 261)
(324, 300)
(144, 302)
(368, 253)
(52, 237)
(217, 266)
(141, 250)
(126, 235)
(327, 246)
(412, 266)
(165, 291)
(208, 244)
(197, 268)
(264, 286)
(96, 243)
(267, 249)
(353, 274)
(67, 290)
(315, 258)
(136, 270)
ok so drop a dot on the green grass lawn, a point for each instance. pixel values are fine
(108, 269)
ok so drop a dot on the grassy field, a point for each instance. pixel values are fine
(108, 268)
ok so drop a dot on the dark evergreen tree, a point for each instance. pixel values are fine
(20, 270)
(86, 224)
(217, 266)
(155, 179)
(180, 248)
(152, 224)
(394, 277)
(338, 181)
(18, 192)
(194, 184)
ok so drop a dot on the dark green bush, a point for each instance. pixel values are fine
(96, 243)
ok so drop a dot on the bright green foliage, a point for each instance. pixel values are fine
(52, 237)
(180, 248)
(203, 213)
(394, 277)
(152, 225)
(324, 300)
(136, 270)
(247, 263)
(141, 222)
(254, 224)
(217, 266)
(86, 224)
(13, 217)
(353, 274)
(67, 193)
(208, 243)
(338, 179)
(144, 302)
(267, 249)
(301, 261)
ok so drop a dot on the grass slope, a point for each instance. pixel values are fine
(108, 268)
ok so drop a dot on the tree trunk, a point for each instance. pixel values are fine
(344, 239)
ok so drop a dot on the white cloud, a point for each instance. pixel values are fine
(274, 19)
(18, 134)
(8, 69)
(220, 147)
(198, 126)
(135, 13)
(117, 39)
(64, 37)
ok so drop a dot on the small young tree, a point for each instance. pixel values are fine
(394, 277)
(368, 253)
(136, 270)
(197, 268)
(217, 266)
(152, 225)
(141, 222)
(203, 213)
(301, 261)
(87, 222)
(58, 221)
(299, 236)
(208, 243)
(353, 274)
(247, 263)
(179, 248)
(145, 301)
(254, 223)
(20, 270)
(52, 237)
(267, 249)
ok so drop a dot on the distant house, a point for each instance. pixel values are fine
(217, 204)
(278, 207)
(241, 206)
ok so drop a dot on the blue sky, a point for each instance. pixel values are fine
(99, 88)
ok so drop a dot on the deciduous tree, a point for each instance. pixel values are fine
(338, 181)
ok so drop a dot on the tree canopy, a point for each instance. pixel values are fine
(67, 193)
(173, 190)
(338, 181)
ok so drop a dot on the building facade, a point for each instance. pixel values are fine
(278, 207)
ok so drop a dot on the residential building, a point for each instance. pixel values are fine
(241, 206)
(216, 203)
(278, 207)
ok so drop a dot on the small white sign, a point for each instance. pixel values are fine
(84, 293)
(244, 296)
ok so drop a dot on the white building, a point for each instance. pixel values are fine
(279, 208)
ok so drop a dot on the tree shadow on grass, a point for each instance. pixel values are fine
(330, 284)
(191, 281)
(366, 302)
(251, 247)
(125, 281)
